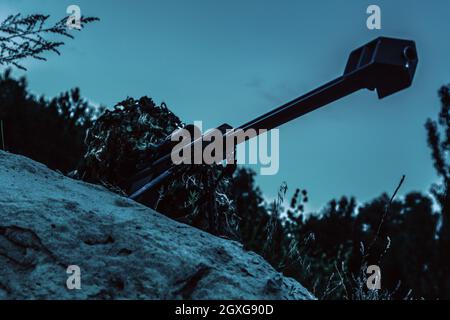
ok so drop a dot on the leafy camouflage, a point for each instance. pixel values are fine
(122, 140)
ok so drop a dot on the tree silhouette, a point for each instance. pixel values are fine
(48, 131)
(439, 142)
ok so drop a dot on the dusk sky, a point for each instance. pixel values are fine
(230, 61)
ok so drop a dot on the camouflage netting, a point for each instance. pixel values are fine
(124, 139)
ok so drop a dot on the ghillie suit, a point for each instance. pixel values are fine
(121, 141)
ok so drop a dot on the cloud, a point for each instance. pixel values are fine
(254, 83)
(276, 93)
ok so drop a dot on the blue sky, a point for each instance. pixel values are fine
(229, 61)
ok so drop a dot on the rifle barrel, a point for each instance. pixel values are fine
(319, 97)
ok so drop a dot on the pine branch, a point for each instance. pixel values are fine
(24, 37)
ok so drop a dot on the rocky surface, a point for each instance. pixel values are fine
(124, 250)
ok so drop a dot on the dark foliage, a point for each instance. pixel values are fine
(439, 142)
(51, 132)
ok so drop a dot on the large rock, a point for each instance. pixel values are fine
(124, 250)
